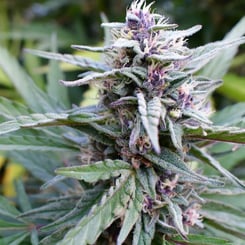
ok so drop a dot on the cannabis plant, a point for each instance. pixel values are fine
(131, 169)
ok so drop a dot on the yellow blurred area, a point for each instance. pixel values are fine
(12, 172)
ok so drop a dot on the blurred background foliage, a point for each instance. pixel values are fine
(54, 25)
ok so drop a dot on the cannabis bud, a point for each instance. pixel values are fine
(143, 136)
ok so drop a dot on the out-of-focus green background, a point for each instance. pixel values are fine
(56, 24)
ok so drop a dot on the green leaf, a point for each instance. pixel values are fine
(57, 207)
(54, 88)
(97, 171)
(132, 214)
(102, 215)
(216, 133)
(10, 109)
(224, 221)
(203, 54)
(97, 135)
(150, 114)
(82, 207)
(203, 156)
(34, 163)
(34, 143)
(34, 237)
(84, 63)
(171, 161)
(176, 79)
(222, 206)
(144, 231)
(217, 230)
(167, 56)
(56, 236)
(15, 239)
(11, 226)
(194, 239)
(176, 134)
(92, 77)
(227, 154)
(219, 66)
(176, 214)
(36, 99)
(53, 119)
(22, 197)
(107, 130)
(32, 120)
(197, 115)
(148, 179)
(7, 209)
(233, 115)
(183, 33)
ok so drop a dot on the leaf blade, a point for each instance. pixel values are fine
(91, 226)
(101, 170)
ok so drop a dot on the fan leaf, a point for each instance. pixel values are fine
(132, 214)
(216, 133)
(36, 99)
(202, 155)
(97, 171)
(102, 215)
(144, 231)
(34, 143)
(84, 63)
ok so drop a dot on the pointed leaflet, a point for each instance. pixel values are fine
(196, 115)
(84, 63)
(176, 133)
(89, 48)
(233, 115)
(14, 239)
(7, 209)
(54, 88)
(97, 171)
(22, 198)
(162, 27)
(150, 116)
(167, 57)
(34, 237)
(97, 135)
(56, 236)
(82, 207)
(10, 109)
(35, 143)
(176, 215)
(182, 33)
(216, 133)
(219, 66)
(36, 99)
(34, 163)
(148, 179)
(47, 119)
(171, 161)
(132, 213)
(203, 156)
(144, 230)
(57, 207)
(203, 54)
(103, 214)
(232, 224)
(31, 120)
(97, 76)
(194, 239)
